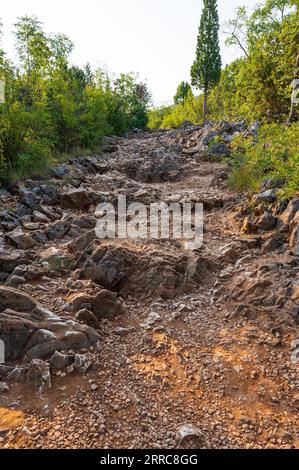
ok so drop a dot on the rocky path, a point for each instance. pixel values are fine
(158, 347)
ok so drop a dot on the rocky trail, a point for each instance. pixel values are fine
(142, 343)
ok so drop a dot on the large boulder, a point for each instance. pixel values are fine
(128, 272)
(30, 199)
(106, 304)
(76, 199)
(291, 212)
(14, 299)
(15, 330)
(109, 266)
(10, 260)
(30, 331)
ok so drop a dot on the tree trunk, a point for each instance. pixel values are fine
(294, 114)
(205, 105)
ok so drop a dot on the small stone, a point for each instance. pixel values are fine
(3, 387)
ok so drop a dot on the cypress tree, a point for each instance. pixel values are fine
(206, 70)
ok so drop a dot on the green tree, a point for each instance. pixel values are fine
(182, 92)
(32, 45)
(206, 70)
(61, 47)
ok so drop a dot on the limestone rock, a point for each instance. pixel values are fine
(39, 376)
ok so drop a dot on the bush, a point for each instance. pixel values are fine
(174, 116)
(275, 156)
(51, 107)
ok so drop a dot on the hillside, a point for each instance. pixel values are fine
(136, 339)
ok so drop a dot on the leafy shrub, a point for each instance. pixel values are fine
(274, 156)
(51, 107)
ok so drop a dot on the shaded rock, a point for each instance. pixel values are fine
(49, 193)
(40, 217)
(9, 261)
(17, 375)
(15, 281)
(142, 275)
(23, 211)
(272, 244)
(16, 332)
(45, 350)
(85, 222)
(33, 331)
(267, 221)
(81, 364)
(76, 340)
(16, 236)
(76, 199)
(58, 230)
(218, 150)
(294, 238)
(87, 317)
(199, 268)
(30, 199)
(14, 299)
(4, 371)
(9, 220)
(39, 337)
(60, 361)
(81, 243)
(291, 211)
(60, 171)
(268, 196)
(109, 266)
(39, 376)
(81, 301)
(106, 305)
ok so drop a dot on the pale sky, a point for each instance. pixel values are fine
(156, 38)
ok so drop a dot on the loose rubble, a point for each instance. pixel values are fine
(143, 343)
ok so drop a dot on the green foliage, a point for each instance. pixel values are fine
(256, 86)
(206, 70)
(157, 116)
(174, 116)
(51, 107)
(183, 90)
(275, 156)
(259, 85)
